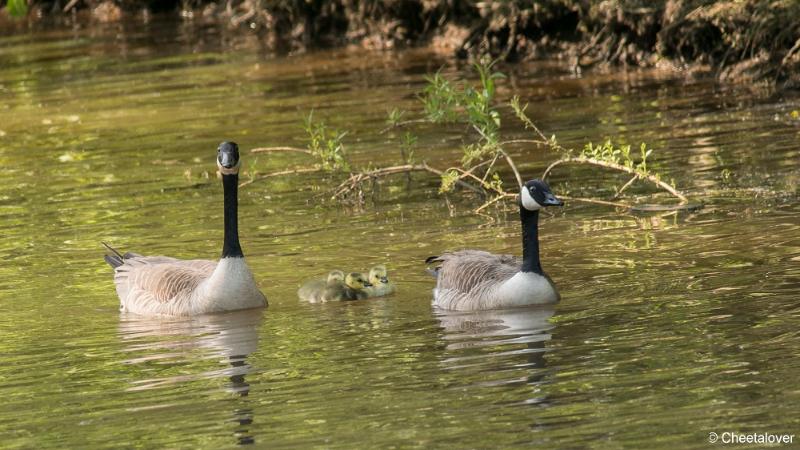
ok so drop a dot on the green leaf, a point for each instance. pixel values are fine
(17, 8)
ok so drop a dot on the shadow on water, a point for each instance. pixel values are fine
(228, 337)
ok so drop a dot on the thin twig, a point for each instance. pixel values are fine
(242, 18)
(279, 173)
(625, 186)
(281, 149)
(488, 169)
(358, 178)
(609, 165)
(493, 201)
(513, 167)
(70, 5)
(464, 174)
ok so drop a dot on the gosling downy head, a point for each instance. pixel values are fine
(536, 194)
(228, 158)
(356, 281)
(381, 285)
(335, 276)
(378, 275)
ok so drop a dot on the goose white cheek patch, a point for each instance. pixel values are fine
(527, 201)
(231, 171)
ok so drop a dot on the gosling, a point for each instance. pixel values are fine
(353, 288)
(381, 286)
(312, 291)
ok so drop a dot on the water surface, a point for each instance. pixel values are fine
(671, 325)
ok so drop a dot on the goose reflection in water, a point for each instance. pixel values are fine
(229, 337)
(491, 343)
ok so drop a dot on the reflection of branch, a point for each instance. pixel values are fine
(597, 202)
(523, 141)
(280, 149)
(609, 165)
(279, 173)
(357, 178)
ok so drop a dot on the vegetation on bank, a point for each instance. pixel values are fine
(485, 168)
(736, 39)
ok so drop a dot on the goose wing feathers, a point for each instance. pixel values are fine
(159, 278)
(470, 270)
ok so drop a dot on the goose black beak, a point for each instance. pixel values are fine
(367, 284)
(227, 160)
(384, 280)
(551, 200)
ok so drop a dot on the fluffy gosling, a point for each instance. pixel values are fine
(381, 286)
(313, 291)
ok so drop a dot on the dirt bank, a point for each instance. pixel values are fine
(736, 39)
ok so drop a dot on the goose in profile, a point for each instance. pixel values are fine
(379, 278)
(470, 280)
(353, 288)
(159, 285)
(312, 291)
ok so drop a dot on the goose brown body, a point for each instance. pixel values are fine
(469, 280)
(478, 280)
(160, 285)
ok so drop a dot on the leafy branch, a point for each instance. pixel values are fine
(446, 102)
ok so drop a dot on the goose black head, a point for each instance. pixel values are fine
(228, 158)
(536, 194)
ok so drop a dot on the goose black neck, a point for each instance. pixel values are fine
(530, 241)
(231, 247)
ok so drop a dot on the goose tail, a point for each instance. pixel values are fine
(432, 271)
(115, 259)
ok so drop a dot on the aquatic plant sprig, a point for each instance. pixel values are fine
(17, 8)
(326, 144)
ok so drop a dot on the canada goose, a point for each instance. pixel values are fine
(312, 291)
(378, 277)
(353, 288)
(158, 285)
(469, 280)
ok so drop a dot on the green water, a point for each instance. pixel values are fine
(671, 326)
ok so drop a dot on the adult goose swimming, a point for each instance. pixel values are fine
(470, 280)
(159, 285)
